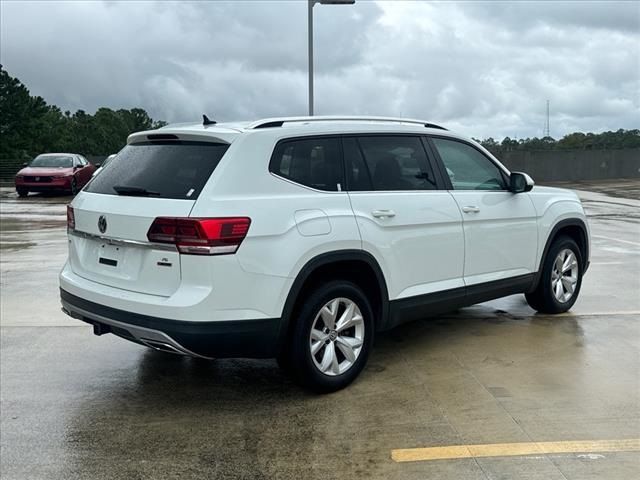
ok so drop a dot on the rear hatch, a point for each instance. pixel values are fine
(112, 215)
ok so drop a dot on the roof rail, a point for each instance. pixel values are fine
(278, 122)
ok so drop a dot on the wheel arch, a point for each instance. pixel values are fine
(574, 228)
(357, 266)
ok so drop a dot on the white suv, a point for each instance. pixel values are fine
(300, 238)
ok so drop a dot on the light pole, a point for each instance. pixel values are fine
(310, 4)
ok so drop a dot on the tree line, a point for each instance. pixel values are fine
(29, 126)
(574, 141)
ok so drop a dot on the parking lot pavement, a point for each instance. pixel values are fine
(78, 406)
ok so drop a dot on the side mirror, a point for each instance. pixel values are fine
(25, 164)
(97, 165)
(520, 182)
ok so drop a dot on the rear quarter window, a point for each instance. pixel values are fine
(172, 169)
(314, 162)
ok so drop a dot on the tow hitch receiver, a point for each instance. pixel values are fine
(101, 329)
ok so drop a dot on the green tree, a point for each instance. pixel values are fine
(20, 116)
(28, 126)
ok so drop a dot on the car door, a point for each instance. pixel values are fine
(85, 170)
(500, 227)
(406, 221)
(77, 171)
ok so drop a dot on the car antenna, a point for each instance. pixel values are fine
(206, 121)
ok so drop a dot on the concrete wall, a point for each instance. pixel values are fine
(545, 166)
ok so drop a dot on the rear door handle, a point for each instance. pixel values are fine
(470, 209)
(383, 213)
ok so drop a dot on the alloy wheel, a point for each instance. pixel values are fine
(337, 336)
(564, 275)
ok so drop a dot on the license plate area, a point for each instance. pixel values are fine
(108, 261)
(110, 255)
(137, 268)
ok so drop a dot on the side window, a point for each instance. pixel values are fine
(314, 162)
(77, 162)
(397, 163)
(467, 168)
(358, 176)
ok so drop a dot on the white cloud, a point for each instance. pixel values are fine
(485, 69)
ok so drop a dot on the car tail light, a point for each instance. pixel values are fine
(200, 236)
(71, 218)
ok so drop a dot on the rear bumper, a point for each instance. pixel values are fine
(219, 339)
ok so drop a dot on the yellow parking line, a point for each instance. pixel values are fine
(513, 449)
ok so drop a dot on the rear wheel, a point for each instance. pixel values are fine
(560, 280)
(22, 192)
(332, 337)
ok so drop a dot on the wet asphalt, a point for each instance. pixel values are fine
(73, 405)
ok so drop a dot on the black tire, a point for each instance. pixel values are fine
(284, 361)
(22, 192)
(74, 186)
(300, 361)
(542, 298)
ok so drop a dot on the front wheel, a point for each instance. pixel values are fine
(22, 192)
(332, 337)
(74, 186)
(560, 280)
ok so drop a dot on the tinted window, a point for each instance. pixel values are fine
(312, 162)
(397, 163)
(62, 161)
(358, 177)
(468, 168)
(171, 169)
(107, 160)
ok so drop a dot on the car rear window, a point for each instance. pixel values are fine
(172, 169)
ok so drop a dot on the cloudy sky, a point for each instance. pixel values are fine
(481, 68)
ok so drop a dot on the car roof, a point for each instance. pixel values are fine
(291, 126)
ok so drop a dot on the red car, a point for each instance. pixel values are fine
(49, 172)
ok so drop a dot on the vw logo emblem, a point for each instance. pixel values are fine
(102, 224)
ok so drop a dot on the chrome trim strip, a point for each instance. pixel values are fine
(144, 335)
(288, 180)
(122, 241)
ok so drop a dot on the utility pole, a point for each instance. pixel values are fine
(546, 128)
(310, 4)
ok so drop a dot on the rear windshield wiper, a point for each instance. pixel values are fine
(134, 191)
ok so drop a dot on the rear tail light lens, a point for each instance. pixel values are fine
(71, 218)
(200, 236)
